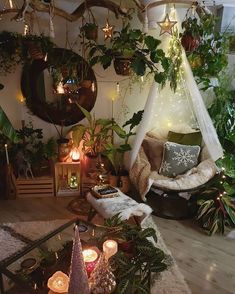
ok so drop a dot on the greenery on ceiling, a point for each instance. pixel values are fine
(209, 57)
(18, 49)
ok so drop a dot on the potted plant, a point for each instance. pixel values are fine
(137, 258)
(190, 39)
(94, 136)
(210, 58)
(132, 51)
(90, 31)
(115, 154)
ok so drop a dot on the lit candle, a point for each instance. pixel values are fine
(7, 157)
(90, 257)
(75, 154)
(110, 247)
(58, 283)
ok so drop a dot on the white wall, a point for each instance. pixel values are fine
(132, 97)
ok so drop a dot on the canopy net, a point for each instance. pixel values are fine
(183, 110)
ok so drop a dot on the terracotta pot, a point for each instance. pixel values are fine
(34, 50)
(114, 180)
(189, 42)
(64, 149)
(125, 184)
(122, 66)
(91, 34)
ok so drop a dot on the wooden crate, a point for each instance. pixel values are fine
(65, 170)
(36, 187)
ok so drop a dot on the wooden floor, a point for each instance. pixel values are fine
(207, 263)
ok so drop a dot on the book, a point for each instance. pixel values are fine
(105, 191)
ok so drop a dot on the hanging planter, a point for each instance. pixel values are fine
(90, 31)
(189, 42)
(190, 39)
(122, 66)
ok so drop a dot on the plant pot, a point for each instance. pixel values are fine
(91, 33)
(63, 149)
(122, 66)
(189, 42)
(89, 164)
(34, 50)
(125, 184)
(114, 180)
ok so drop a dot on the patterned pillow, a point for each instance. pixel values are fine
(177, 159)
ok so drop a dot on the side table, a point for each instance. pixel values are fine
(122, 204)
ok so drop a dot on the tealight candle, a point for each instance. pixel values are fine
(110, 247)
(90, 257)
(58, 283)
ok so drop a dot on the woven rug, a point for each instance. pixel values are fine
(15, 236)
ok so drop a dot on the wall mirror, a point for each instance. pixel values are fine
(51, 87)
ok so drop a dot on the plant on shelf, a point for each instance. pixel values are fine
(115, 153)
(34, 150)
(132, 51)
(95, 135)
(137, 259)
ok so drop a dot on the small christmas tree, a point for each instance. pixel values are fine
(102, 280)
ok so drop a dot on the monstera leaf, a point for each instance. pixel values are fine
(6, 127)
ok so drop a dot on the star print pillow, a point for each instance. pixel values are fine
(178, 159)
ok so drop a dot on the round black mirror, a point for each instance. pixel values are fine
(50, 87)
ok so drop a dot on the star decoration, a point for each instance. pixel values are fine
(166, 25)
(108, 30)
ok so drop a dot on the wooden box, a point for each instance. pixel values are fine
(36, 187)
(63, 173)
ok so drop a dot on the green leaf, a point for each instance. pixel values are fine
(6, 127)
(123, 286)
(159, 77)
(229, 205)
(94, 60)
(149, 232)
(104, 122)
(204, 208)
(118, 130)
(154, 57)
(86, 113)
(78, 132)
(158, 268)
(105, 60)
(139, 66)
(142, 289)
(135, 120)
(151, 42)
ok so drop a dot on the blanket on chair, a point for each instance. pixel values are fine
(143, 177)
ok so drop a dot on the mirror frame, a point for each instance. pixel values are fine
(42, 109)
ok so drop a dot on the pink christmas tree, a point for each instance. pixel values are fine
(78, 283)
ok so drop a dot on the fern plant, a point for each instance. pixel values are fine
(137, 258)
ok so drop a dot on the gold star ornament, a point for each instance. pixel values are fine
(108, 30)
(166, 25)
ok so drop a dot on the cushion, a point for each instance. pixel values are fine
(177, 159)
(154, 151)
(185, 139)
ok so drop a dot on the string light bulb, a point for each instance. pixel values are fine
(26, 30)
(93, 87)
(118, 88)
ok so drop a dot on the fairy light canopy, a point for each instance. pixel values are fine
(180, 111)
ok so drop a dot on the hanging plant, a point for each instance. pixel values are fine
(18, 49)
(210, 58)
(190, 39)
(137, 52)
(90, 31)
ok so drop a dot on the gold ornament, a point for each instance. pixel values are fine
(166, 25)
(108, 30)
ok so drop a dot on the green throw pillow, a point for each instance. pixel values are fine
(177, 159)
(185, 139)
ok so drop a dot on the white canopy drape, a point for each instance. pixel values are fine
(165, 110)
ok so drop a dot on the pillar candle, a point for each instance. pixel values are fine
(110, 247)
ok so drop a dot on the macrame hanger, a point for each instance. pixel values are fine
(51, 16)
